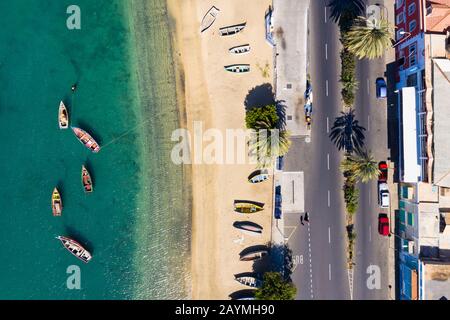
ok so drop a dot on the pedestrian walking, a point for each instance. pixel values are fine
(306, 217)
(301, 220)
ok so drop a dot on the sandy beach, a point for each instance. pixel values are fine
(216, 98)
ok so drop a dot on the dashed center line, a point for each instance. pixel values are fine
(328, 125)
(325, 14)
(329, 271)
(326, 85)
(368, 123)
(310, 263)
(370, 233)
(329, 202)
(368, 87)
(326, 51)
(329, 234)
(328, 161)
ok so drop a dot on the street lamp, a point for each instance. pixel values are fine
(402, 33)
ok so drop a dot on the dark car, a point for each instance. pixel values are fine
(381, 88)
(278, 201)
(383, 224)
(383, 167)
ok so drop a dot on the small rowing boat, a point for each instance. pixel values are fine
(240, 49)
(238, 68)
(254, 255)
(209, 18)
(63, 116)
(249, 281)
(86, 139)
(56, 203)
(86, 180)
(258, 176)
(248, 207)
(248, 227)
(230, 30)
(75, 248)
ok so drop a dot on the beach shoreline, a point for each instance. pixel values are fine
(216, 98)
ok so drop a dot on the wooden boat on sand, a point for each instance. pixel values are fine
(56, 203)
(86, 139)
(63, 116)
(254, 255)
(238, 68)
(248, 227)
(249, 281)
(258, 176)
(230, 30)
(75, 248)
(86, 180)
(209, 18)
(240, 49)
(247, 207)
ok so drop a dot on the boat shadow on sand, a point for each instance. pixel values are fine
(74, 234)
(242, 294)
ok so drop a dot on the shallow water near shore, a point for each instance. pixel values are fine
(137, 221)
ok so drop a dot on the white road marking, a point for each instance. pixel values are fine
(329, 234)
(325, 14)
(370, 233)
(328, 161)
(368, 87)
(328, 198)
(369, 198)
(328, 125)
(326, 84)
(329, 271)
(368, 123)
(310, 263)
(326, 51)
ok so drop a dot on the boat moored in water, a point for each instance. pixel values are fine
(240, 49)
(86, 139)
(248, 207)
(230, 30)
(258, 176)
(254, 255)
(75, 248)
(86, 180)
(238, 68)
(63, 116)
(56, 203)
(248, 227)
(209, 18)
(249, 281)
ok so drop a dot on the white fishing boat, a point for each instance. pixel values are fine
(249, 281)
(240, 49)
(230, 30)
(258, 176)
(238, 68)
(209, 18)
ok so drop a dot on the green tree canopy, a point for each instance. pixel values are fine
(362, 166)
(274, 287)
(262, 118)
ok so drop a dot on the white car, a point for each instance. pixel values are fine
(383, 195)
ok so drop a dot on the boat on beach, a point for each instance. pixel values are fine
(238, 68)
(248, 227)
(258, 176)
(248, 207)
(209, 18)
(249, 281)
(86, 180)
(63, 116)
(240, 49)
(254, 255)
(75, 248)
(230, 30)
(86, 139)
(56, 203)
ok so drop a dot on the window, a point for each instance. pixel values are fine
(410, 219)
(412, 25)
(400, 33)
(411, 8)
(412, 55)
(401, 17)
(398, 3)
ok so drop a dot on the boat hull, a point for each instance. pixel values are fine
(258, 176)
(248, 281)
(75, 249)
(56, 203)
(230, 30)
(63, 116)
(238, 68)
(240, 49)
(86, 139)
(86, 180)
(252, 256)
(209, 19)
(249, 228)
(248, 207)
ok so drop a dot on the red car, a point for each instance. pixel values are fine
(383, 167)
(383, 224)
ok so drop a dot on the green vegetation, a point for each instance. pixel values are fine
(351, 195)
(262, 118)
(369, 39)
(343, 11)
(362, 167)
(274, 287)
(348, 77)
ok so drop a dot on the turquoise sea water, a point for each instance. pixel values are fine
(137, 221)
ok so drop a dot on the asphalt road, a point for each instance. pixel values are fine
(319, 247)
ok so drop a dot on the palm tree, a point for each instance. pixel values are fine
(267, 144)
(347, 133)
(362, 166)
(369, 38)
(345, 9)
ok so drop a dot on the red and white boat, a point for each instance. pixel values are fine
(86, 139)
(75, 248)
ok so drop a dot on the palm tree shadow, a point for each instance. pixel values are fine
(347, 134)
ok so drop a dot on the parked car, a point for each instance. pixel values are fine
(381, 88)
(278, 202)
(383, 167)
(383, 195)
(383, 224)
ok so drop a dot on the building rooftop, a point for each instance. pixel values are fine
(441, 96)
(438, 16)
(436, 280)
